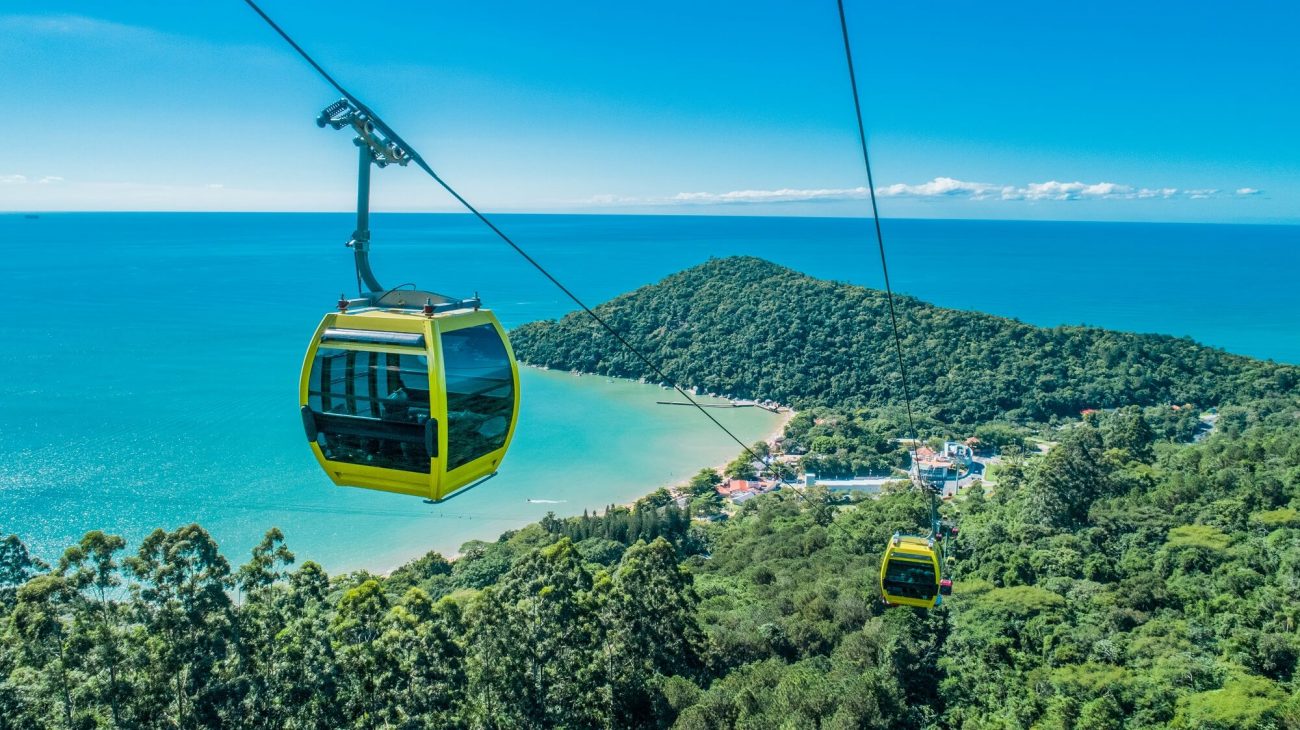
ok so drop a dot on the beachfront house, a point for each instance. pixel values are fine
(742, 496)
(731, 487)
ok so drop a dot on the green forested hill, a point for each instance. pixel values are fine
(751, 329)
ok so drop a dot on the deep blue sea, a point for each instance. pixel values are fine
(151, 360)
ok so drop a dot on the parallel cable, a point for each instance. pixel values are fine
(880, 244)
(419, 161)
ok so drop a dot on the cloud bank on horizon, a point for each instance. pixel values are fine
(16, 179)
(944, 188)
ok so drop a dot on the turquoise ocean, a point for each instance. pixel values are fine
(151, 360)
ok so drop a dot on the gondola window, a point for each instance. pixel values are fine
(382, 401)
(480, 393)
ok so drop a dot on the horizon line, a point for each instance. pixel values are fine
(1243, 222)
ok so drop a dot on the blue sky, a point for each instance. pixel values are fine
(1103, 111)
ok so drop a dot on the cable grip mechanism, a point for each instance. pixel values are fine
(383, 151)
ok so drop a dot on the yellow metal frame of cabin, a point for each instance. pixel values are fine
(918, 548)
(437, 484)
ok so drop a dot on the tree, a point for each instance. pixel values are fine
(1129, 430)
(267, 566)
(17, 566)
(1069, 480)
(304, 681)
(704, 482)
(1100, 714)
(999, 435)
(742, 467)
(429, 666)
(40, 626)
(707, 505)
(533, 642)
(366, 667)
(656, 499)
(261, 618)
(92, 574)
(651, 631)
(182, 603)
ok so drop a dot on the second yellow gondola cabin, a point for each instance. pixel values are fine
(911, 572)
(409, 400)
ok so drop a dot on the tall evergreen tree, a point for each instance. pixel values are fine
(365, 665)
(263, 614)
(303, 681)
(93, 575)
(533, 645)
(45, 665)
(183, 605)
(427, 662)
(17, 566)
(1071, 477)
(651, 631)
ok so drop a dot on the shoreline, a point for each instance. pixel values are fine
(785, 412)
(769, 437)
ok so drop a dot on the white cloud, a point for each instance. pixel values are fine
(23, 180)
(1055, 190)
(941, 187)
(1146, 193)
(784, 195)
(938, 188)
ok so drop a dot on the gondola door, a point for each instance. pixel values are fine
(479, 381)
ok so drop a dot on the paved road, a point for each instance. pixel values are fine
(976, 472)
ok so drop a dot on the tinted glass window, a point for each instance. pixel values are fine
(910, 579)
(390, 391)
(480, 393)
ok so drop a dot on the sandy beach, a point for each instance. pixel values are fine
(786, 414)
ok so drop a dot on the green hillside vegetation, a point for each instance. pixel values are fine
(751, 329)
(1114, 583)
(1143, 573)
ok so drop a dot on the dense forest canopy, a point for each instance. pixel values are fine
(1122, 581)
(749, 328)
(1142, 573)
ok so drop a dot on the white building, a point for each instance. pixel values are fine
(869, 485)
(959, 452)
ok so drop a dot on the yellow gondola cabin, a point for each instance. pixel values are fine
(409, 400)
(911, 572)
